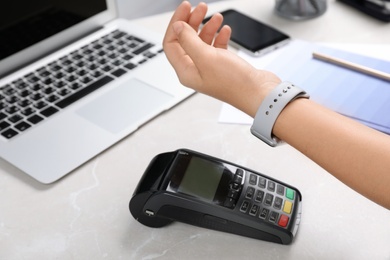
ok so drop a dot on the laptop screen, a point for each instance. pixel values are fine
(24, 23)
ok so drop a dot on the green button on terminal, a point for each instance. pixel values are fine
(290, 194)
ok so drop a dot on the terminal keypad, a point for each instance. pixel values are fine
(266, 199)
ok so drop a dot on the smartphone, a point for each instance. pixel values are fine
(252, 36)
(208, 192)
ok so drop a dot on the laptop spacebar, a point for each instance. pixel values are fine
(83, 92)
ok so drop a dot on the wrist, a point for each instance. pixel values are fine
(270, 109)
(263, 83)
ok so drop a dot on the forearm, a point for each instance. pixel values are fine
(355, 154)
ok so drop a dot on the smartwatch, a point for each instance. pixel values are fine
(270, 109)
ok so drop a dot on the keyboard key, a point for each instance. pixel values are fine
(15, 118)
(9, 133)
(83, 92)
(22, 126)
(2, 116)
(28, 111)
(52, 98)
(118, 72)
(12, 99)
(4, 125)
(40, 104)
(49, 111)
(143, 48)
(131, 37)
(63, 92)
(11, 110)
(130, 66)
(36, 96)
(35, 119)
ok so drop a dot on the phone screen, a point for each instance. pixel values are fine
(249, 33)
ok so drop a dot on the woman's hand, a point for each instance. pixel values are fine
(202, 62)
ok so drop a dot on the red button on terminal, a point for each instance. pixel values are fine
(283, 221)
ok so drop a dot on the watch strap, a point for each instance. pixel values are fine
(270, 109)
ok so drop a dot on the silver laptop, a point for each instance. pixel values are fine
(74, 80)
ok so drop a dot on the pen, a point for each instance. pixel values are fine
(352, 66)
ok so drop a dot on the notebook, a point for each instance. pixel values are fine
(74, 80)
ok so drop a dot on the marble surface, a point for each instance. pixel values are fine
(85, 215)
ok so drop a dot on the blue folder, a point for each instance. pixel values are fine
(353, 94)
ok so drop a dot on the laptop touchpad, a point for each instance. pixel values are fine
(132, 102)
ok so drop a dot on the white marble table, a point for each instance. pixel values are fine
(86, 216)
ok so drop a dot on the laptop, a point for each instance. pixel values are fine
(74, 80)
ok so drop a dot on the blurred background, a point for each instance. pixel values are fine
(150, 7)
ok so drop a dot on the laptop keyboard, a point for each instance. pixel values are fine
(38, 95)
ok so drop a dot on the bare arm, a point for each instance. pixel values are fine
(355, 154)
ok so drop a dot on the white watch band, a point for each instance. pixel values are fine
(271, 107)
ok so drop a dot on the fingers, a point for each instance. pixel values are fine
(188, 39)
(197, 16)
(191, 44)
(210, 29)
(209, 33)
(182, 13)
(222, 39)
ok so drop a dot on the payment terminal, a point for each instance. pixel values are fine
(204, 191)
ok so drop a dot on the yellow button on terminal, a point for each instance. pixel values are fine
(287, 207)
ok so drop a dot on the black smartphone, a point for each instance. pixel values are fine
(251, 35)
(205, 191)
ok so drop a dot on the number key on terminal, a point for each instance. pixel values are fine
(262, 182)
(271, 186)
(264, 213)
(259, 196)
(244, 206)
(278, 203)
(273, 217)
(268, 199)
(250, 192)
(280, 189)
(252, 179)
(254, 210)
